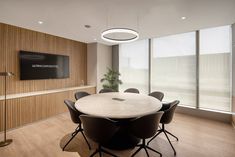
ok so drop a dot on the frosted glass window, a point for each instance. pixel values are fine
(215, 68)
(215, 40)
(133, 65)
(174, 45)
(174, 68)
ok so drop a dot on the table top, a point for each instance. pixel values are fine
(118, 105)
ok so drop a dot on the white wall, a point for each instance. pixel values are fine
(99, 58)
(104, 61)
(91, 64)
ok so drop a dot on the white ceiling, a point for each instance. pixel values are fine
(152, 18)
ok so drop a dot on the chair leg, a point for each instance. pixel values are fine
(145, 147)
(170, 142)
(105, 151)
(100, 153)
(154, 150)
(172, 135)
(146, 151)
(73, 135)
(136, 151)
(89, 146)
(77, 130)
(100, 150)
(154, 137)
(95, 152)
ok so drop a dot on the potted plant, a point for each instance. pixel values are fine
(111, 80)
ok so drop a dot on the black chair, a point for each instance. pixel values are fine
(169, 110)
(106, 90)
(157, 94)
(145, 127)
(74, 113)
(79, 95)
(131, 90)
(100, 130)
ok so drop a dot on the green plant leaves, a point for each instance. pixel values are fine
(111, 79)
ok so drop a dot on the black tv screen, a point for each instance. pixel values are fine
(35, 65)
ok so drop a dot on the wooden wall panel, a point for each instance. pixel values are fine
(2, 57)
(29, 109)
(13, 39)
(21, 111)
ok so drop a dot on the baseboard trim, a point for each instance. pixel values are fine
(218, 116)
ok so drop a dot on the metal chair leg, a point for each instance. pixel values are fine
(145, 147)
(89, 146)
(154, 150)
(100, 150)
(105, 151)
(146, 151)
(136, 151)
(77, 130)
(172, 135)
(154, 137)
(170, 142)
(94, 153)
(73, 135)
(100, 153)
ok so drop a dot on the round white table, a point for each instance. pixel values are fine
(117, 105)
(122, 107)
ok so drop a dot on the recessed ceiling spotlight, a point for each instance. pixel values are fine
(87, 26)
(183, 18)
(95, 39)
(40, 22)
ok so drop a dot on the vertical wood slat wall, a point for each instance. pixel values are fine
(21, 111)
(25, 110)
(13, 39)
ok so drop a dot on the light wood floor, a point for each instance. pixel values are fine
(197, 138)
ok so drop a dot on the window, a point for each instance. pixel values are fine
(215, 68)
(174, 68)
(133, 65)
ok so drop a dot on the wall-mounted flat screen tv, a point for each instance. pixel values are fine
(35, 65)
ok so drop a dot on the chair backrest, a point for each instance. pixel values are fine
(98, 129)
(106, 90)
(157, 94)
(169, 110)
(79, 95)
(132, 90)
(145, 126)
(74, 113)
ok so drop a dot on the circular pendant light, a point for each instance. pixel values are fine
(119, 35)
